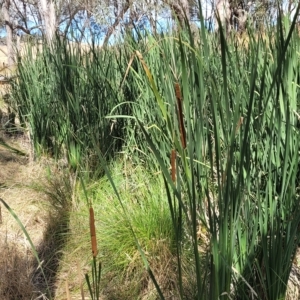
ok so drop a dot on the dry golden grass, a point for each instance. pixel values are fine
(15, 272)
(16, 265)
(26, 189)
(3, 55)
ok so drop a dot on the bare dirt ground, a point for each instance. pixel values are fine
(17, 264)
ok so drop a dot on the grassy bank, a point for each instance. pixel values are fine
(199, 144)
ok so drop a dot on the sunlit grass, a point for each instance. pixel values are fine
(216, 122)
(147, 211)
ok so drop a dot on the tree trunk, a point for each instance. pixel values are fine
(9, 33)
(223, 15)
(117, 22)
(47, 12)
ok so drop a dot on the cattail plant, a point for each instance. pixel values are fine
(228, 129)
(94, 286)
(236, 168)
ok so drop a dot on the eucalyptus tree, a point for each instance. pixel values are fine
(79, 18)
(48, 14)
(234, 14)
(9, 31)
(37, 18)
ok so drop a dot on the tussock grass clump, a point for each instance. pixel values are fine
(145, 205)
(144, 210)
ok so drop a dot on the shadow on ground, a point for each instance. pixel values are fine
(50, 253)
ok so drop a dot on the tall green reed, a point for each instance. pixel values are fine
(74, 98)
(63, 93)
(237, 173)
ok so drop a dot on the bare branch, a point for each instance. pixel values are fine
(116, 23)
